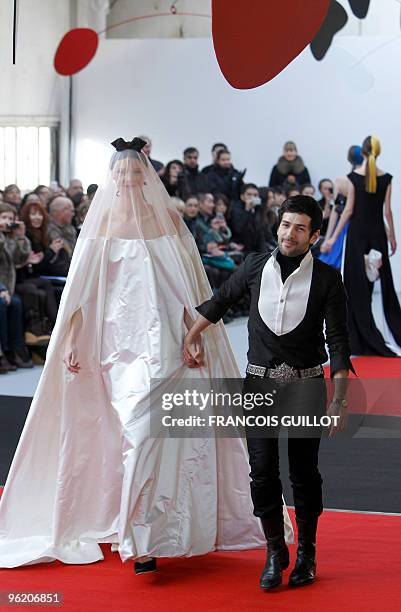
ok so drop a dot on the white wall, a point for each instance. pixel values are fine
(173, 91)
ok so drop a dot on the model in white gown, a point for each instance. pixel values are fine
(86, 470)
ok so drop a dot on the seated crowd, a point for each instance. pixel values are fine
(227, 216)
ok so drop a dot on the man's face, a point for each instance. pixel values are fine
(279, 198)
(248, 196)
(191, 207)
(191, 159)
(294, 234)
(309, 191)
(215, 152)
(74, 188)
(207, 206)
(326, 189)
(6, 218)
(13, 196)
(224, 160)
(67, 213)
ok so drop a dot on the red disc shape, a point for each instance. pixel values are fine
(75, 51)
(254, 41)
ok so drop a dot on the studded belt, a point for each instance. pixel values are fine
(283, 373)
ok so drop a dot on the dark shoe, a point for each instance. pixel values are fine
(20, 358)
(4, 365)
(304, 571)
(277, 553)
(145, 567)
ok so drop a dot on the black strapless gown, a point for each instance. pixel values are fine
(367, 231)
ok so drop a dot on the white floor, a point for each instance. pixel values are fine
(23, 383)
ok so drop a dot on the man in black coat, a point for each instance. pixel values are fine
(297, 302)
(191, 180)
(224, 178)
(243, 221)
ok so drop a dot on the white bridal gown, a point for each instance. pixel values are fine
(86, 471)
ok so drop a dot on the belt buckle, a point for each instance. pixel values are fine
(283, 373)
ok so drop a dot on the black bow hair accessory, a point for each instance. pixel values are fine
(136, 144)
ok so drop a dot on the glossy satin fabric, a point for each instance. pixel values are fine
(85, 470)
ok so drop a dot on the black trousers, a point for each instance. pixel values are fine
(303, 450)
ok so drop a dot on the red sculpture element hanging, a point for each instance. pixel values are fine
(255, 41)
(75, 51)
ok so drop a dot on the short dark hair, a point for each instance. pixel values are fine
(279, 190)
(92, 188)
(190, 150)
(221, 152)
(304, 205)
(323, 181)
(217, 145)
(246, 186)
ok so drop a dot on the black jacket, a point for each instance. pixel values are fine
(245, 228)
(225, 180)
(304, 346)
(191, 182)
(277, 179)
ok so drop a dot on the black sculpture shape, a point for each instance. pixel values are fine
(359, 8)
(336, 19)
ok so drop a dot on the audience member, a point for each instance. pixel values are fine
(60, 226)
(81, 213)
(90, 192)
(290, 167)
(74, 188)
(28, 198)
(243, 220)
(326, 189)
(14, 251)
(308, 190)
(191, 180)
(44, 194)
(147, 149)
(218, 146)
(12, 195)
(170, 178)
(224, 178)
(37, 294)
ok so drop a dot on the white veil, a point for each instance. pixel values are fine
(85, 471)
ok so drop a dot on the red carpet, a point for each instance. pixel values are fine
(359, 560)
(377, 388)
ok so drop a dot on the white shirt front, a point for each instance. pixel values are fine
(282, 306)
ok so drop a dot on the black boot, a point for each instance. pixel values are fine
(304, 571)
(277, 553)
(145, 567)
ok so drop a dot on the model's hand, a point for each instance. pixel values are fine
(393, 245)
(193, 351)
(337, 409)
(70, 358)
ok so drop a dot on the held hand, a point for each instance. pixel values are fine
(340, 409)
(70, 358)
(193, 351)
